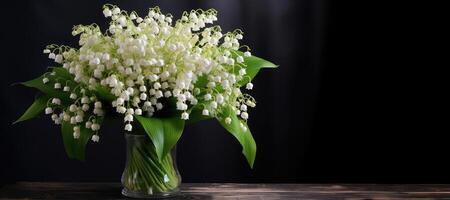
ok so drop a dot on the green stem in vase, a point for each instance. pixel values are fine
(146, 173)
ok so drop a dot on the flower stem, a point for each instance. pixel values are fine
(146, 173)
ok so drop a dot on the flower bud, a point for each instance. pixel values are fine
(185, 115)
(121, 109)
(78, 118)
(48, 110)
(228, 120)
(159, 106)
(116, 11)
(208, 97)
(138, 111)
(244, 115)
(85, 99)
(213, 104)
(95, 138)
(56, 101)
(98, 104)
(128, 118)
(76, 135)
(73, 108)
(107, 12)
(128, 127)
(249, 86)
(88, 124)
(95, 127)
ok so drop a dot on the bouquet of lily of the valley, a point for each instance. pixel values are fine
(158, 75)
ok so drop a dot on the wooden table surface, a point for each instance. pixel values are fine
(38, 190)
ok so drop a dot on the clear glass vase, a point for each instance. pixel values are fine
(145, 176)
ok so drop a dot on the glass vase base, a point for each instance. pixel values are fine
(149, 194)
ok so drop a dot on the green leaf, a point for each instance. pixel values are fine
(48, 88)
(201, 82)
(62, 73)
(35, 109)
(164, 132)
(254, 64)
(104, 94)
(244, 137)
(75, 148)
(196, 115)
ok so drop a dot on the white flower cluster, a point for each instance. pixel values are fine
(143, 60)
(84, 109)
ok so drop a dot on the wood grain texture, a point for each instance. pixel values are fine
(206, 191)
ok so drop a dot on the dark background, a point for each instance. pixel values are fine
(352, 101)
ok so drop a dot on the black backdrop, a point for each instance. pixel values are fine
(342, 106)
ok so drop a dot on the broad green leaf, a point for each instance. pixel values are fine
(254, 64)
(104, 94)
(201, 82)
(35, 109)
(62, 73)
(75, 148)
(244, 137)
(47, 89)
(196, 115)
(164, 132)
(63, 76)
